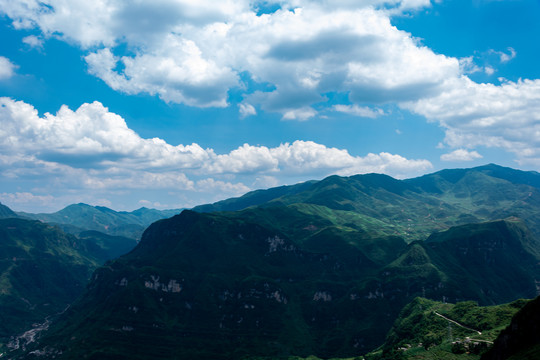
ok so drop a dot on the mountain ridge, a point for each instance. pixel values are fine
(79, 217)
(232, 267)
(319, 269)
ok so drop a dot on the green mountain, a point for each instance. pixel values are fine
(6, 212)
(105, 247)
(43, 270)
(321, 268)
(81, 217)
(214, 286)
(413, 208)
(521, 339)
(427, 329)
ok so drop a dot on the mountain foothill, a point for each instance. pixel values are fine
(365, 266)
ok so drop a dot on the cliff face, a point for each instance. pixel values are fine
(521, 339)
(217, 286)
(319, 269)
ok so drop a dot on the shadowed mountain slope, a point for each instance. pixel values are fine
(321, 268)
(43, 270)
(521, 339)
(216, 286)
(6, 212)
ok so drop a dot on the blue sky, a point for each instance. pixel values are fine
(174, 103)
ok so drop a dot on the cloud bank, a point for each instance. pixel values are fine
(93, 148)
(503, 116)
(193, 53)
(197, 53)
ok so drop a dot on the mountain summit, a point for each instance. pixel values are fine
(321, 268)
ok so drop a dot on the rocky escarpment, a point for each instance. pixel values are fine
(217, 286)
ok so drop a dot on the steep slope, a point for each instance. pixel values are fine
(486, 262)
(521, 339)
(321, 268)
(413, 208)
(209, 286)
(255, 198)
(220, 286)
(427, 329)
(486, 193)
(6, 212)
(105, 247)
(488, 259)
(42, 270)
(80, 217)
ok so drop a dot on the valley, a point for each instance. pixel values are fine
(365, 266)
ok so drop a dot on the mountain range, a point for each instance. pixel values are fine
(81, 217)
(320, 268)
(44, 266)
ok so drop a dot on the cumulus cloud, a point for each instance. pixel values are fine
(505, 116)
(176, 71)
(94, 148)
(7, 68)
(193, 52)
(246, 110)
(461, 155)
(361, 111)
(33, 41)
(468, 66)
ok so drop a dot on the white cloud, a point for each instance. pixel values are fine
(193, 52)
(7, 68)
(505, 116)
(359, 111)
(90, 137)
(246, 110)
(505, 57)
(461, 155)
(386, 163)
(33, 41)
(265, 181)
(177, 72)
(310, 157)
(302, 114)
(468, 65)
(221, 187)
(24, 198)
(92, 148)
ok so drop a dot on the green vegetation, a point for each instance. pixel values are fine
(427, 329)
(412, 209)
(520, 340)
(221, 286)
(43, 270)
(81, 217)
(317, 269)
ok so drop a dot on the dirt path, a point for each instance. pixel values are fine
(458, 324)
